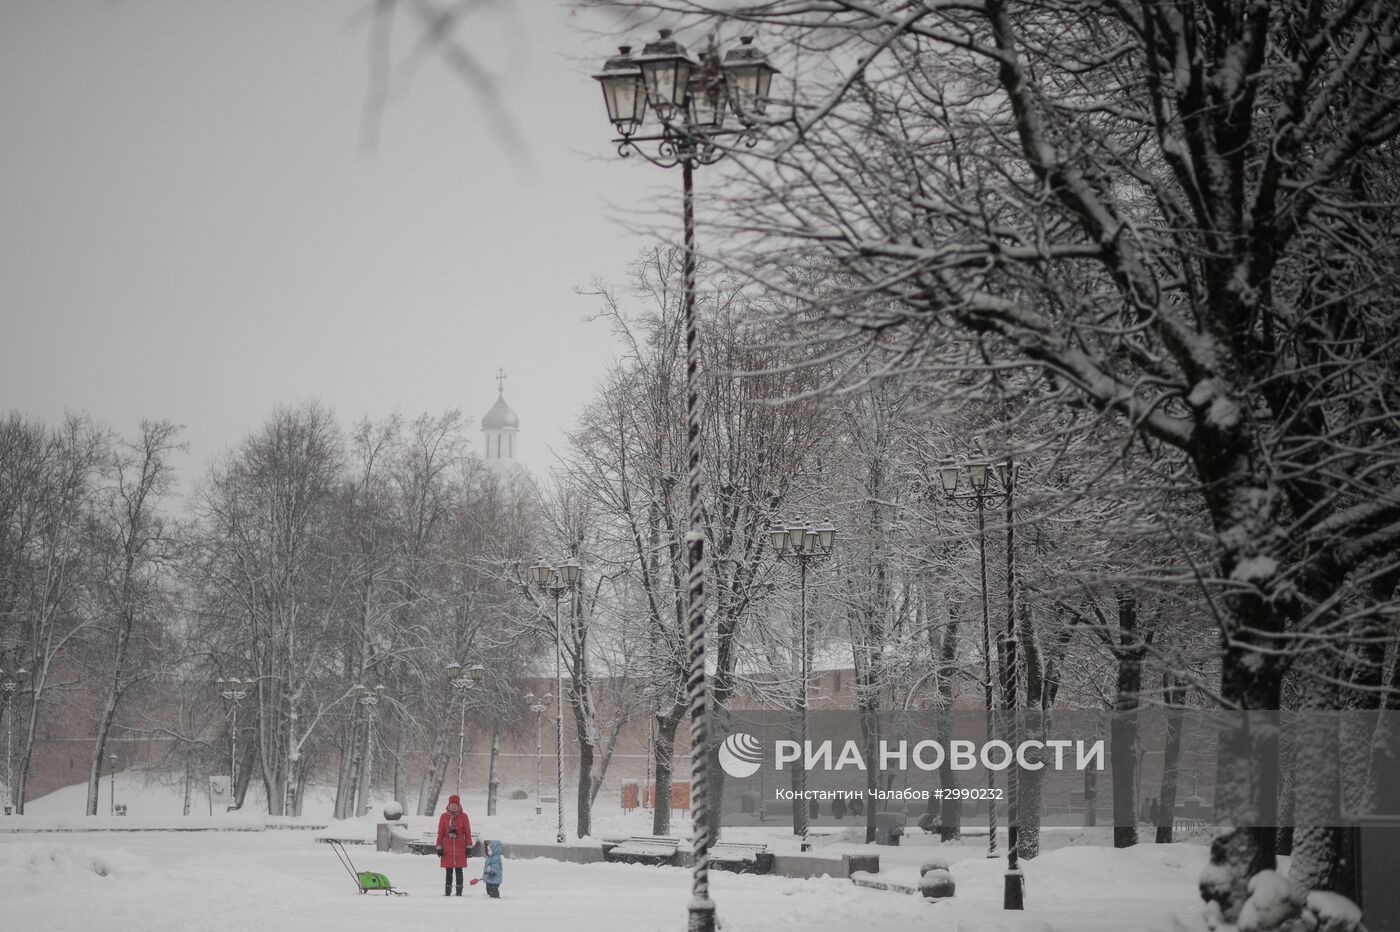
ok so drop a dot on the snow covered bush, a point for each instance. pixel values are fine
(1277, 904)
(937, 884)
(393, 810)
(935, 863)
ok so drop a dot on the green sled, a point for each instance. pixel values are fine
(369, 880)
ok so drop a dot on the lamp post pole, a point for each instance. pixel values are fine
(112, 771)
(979, 475)
(690, 102)
(803, 545)
(555, 582)
(9, 684)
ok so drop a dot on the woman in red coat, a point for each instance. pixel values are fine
(453, 839)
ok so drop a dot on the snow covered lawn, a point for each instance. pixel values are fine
(287, 882)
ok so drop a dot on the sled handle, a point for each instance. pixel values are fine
(345, 862)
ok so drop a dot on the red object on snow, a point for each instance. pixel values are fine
(454, 835)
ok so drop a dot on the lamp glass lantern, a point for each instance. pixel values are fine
(948, 476)
(705, 104)
(810, 538)
(826, 535)
(979, 473)
(543, 573)
(1007, 472)
(797, 536)
(778, 534)
(749, 76)
(666, 70)
(571, 572)
(623, 91)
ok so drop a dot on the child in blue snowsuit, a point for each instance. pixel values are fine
(491, 873)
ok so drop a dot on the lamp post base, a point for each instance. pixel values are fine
(702, 916)
(1014, 890)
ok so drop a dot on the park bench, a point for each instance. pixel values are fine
(642, 849)
(741, 858)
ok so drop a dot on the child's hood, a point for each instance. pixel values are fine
(496, 848)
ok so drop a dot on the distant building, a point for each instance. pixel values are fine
(500, 426)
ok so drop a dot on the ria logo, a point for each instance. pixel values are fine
(741, 755)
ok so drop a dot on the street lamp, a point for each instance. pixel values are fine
(802, 544)
(368, 698)
(983, 491)
(233, 691)
(555, 582)
(112, 770)
(9, 685)
(537, 705)
(689, 99)
(463, 681)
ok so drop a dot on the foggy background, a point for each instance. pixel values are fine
(197, 222)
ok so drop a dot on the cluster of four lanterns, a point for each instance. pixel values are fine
(683, 93)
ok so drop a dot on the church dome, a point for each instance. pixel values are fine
(500, 417)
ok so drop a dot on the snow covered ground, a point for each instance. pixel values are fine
(280, 881)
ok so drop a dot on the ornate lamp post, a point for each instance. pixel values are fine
(802, 544)
(369, 698)
(688, 101)
(980, 478)
(233, 691)
(10, 684)
(539, 706)
(463, 682)
(555, 582)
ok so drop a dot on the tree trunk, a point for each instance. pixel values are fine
(344, 785)
(870, 731)
(1174, 697)
(665, 749)
(949, 810)
(245, 773)
(493, 779)
(189, 781)
(1123, 725)
(585, 794)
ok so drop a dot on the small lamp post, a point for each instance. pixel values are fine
(10, 683)
(233, 691)
(539, 706)
(555, 582)
(463, 681)
(984, 490)
(112, 771)
(369, 699)
(802, 544)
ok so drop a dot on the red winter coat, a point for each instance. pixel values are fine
(454, 848)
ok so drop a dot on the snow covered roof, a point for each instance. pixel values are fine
(500, 417)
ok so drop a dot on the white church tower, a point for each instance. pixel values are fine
(499, 426)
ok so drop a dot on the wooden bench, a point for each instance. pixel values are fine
(741, 858)
(643, 849)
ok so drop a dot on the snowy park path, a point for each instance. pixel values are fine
(286, 882)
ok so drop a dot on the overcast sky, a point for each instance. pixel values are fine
(190, 228)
